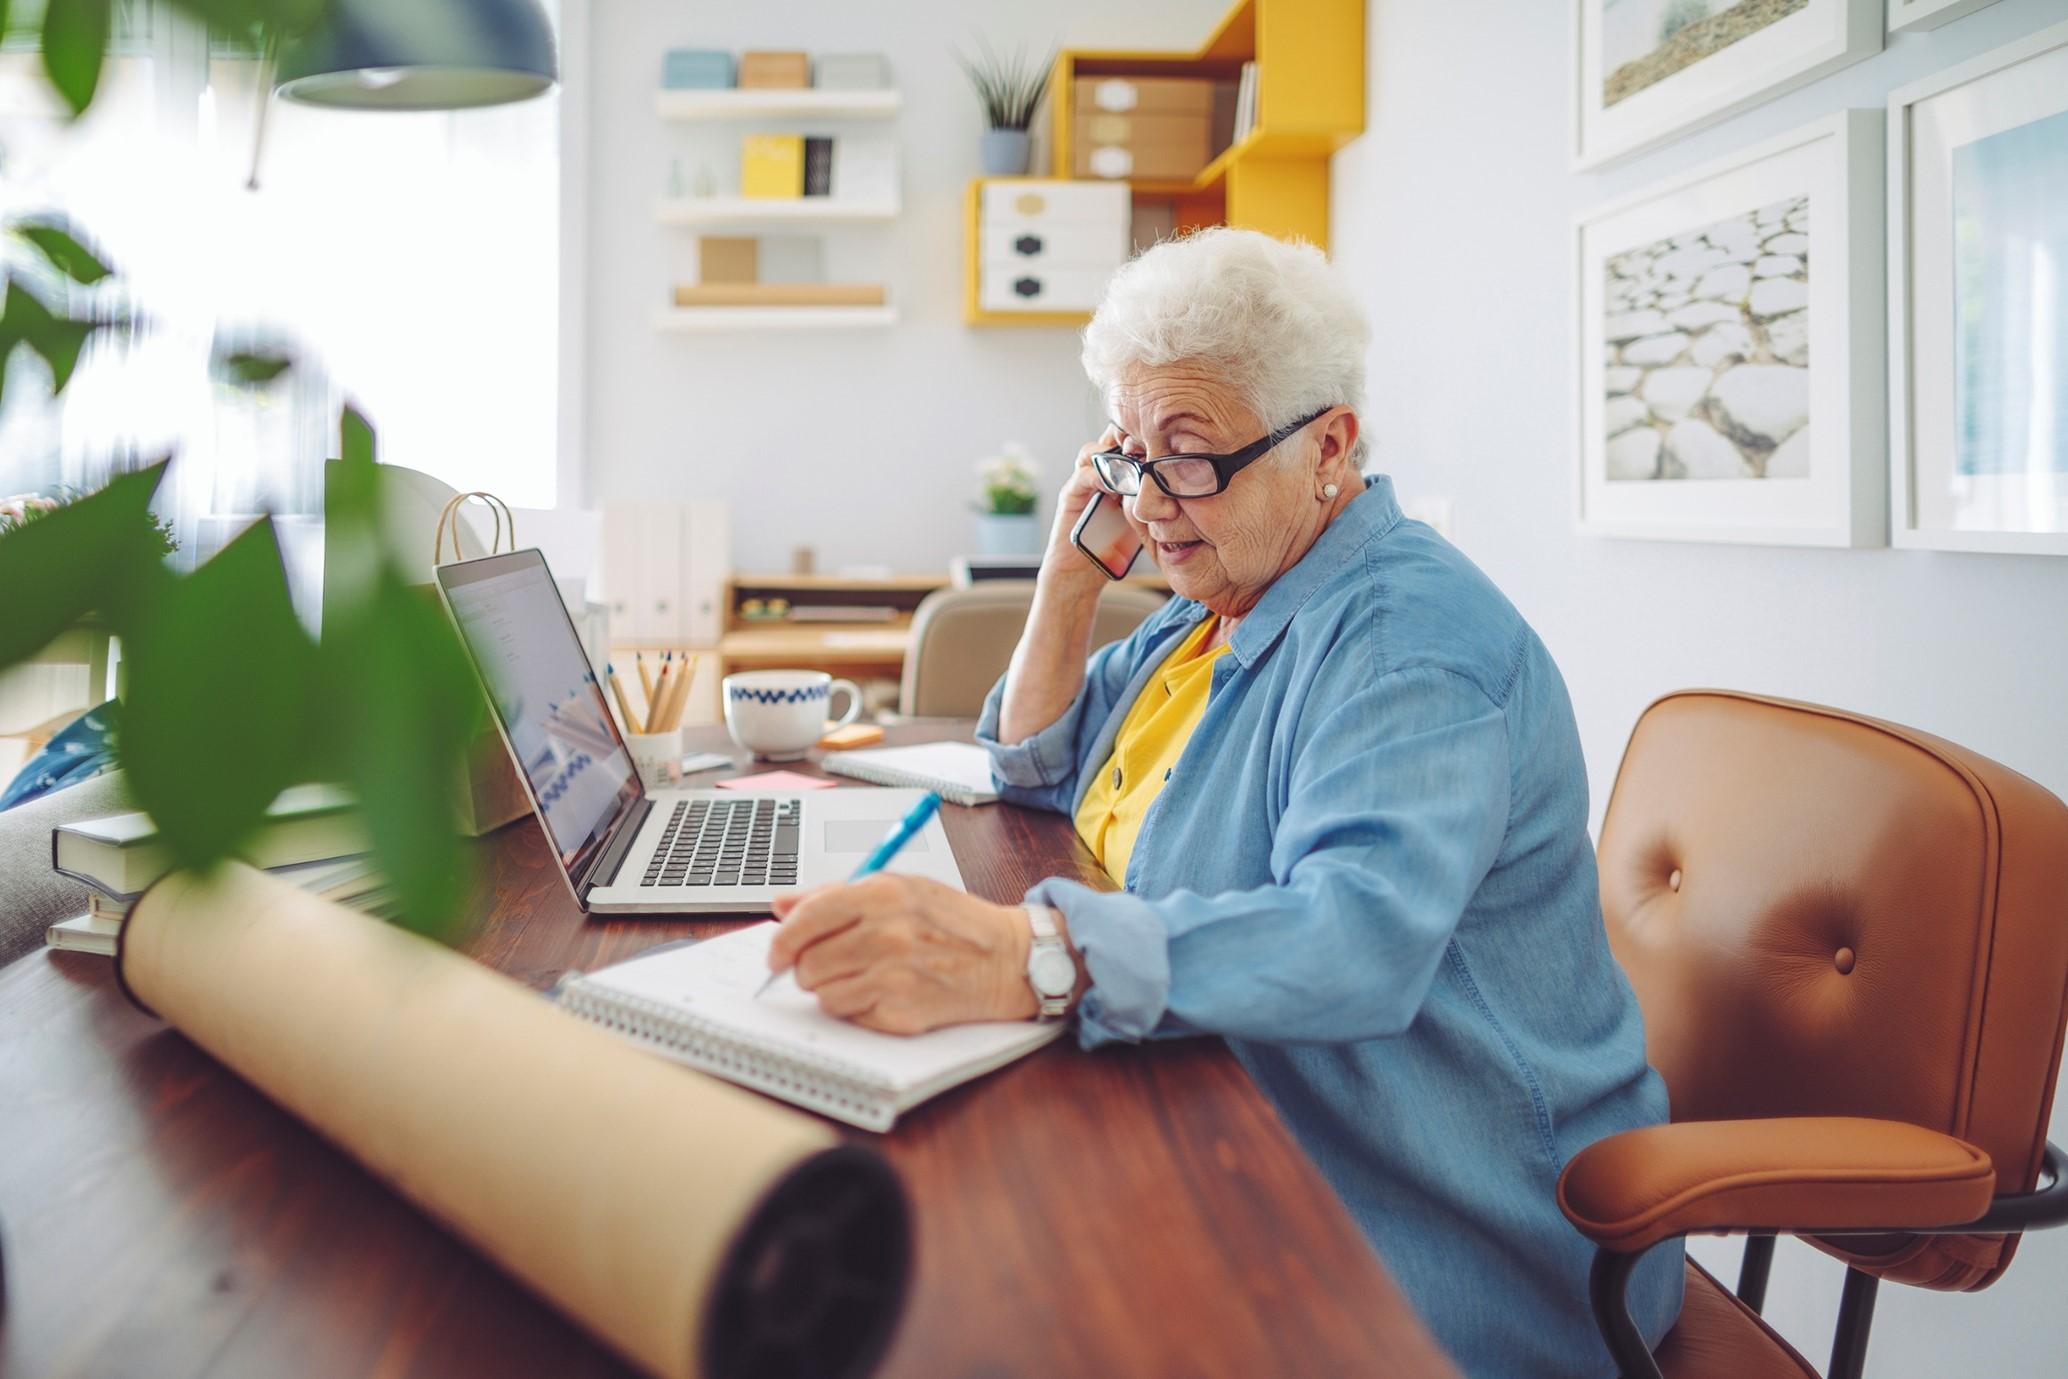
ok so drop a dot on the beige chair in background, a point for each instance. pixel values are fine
(962, 639)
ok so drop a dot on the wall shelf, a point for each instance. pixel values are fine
(772, 104)
(706, 319)
(743, 210)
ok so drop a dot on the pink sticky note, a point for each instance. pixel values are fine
(775, 780)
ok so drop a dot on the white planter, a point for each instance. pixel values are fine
(1008, 533)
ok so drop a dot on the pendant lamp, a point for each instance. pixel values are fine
(419, 55)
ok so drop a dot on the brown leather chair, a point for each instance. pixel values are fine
(962, 639)
(1850, 941)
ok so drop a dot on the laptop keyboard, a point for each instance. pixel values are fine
(749, 841)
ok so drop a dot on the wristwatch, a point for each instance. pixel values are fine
(1049, 969)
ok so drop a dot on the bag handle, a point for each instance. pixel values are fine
(449, 519)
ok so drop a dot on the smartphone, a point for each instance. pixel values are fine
(1104, 537)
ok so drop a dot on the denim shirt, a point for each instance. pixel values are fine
(1370, 872)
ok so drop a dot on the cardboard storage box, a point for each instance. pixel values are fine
(1143, 95)
(696, 69)
(728, 259)
(775, 69)
(852, 71)
(1154, 147)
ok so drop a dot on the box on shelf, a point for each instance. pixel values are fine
(851, 72)
(772, 166)
(775, 70)
(1049, 245)
(1143, 95)
(728, 259)
(696, 69)
(792, 259)
(1156, 146)
(818, 165)
(865, 168)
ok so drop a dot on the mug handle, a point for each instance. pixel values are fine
(854, 702)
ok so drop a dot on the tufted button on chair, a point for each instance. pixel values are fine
(1850, 941)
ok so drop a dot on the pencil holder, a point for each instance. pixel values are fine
(658, 756)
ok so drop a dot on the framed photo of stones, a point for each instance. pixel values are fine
(1647, 70)
(1729, 341)
(1918, 15)
(1978, 293)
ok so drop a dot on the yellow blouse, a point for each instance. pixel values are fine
(1151, 737)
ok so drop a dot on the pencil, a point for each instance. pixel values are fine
(660, 690)
(678, 697)
(632, 723)
(645, 678)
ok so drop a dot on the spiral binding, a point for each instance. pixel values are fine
(832, 1085)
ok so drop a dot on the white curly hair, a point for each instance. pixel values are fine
(1270, 317)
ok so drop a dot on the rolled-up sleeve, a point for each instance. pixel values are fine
(1396, 806)
(1042, 770)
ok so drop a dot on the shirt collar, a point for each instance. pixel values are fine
(1370, 515)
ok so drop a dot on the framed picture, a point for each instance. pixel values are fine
(1978, 294)
(1647, 70)
(1919, 15)
(1729, 340)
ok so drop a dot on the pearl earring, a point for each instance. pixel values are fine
(1328, 490)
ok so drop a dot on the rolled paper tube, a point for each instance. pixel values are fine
(700, 1231)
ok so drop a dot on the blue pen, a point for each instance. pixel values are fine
(885, 850)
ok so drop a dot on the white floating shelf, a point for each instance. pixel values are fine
(742, 210)
(719, 318)
(762, 104)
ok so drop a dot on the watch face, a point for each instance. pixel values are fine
(1052, 973)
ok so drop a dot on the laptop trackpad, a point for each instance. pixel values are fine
(862, 835)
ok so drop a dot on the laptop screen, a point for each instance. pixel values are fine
(542, 688)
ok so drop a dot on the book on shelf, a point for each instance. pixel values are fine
(121, 855)
(1245, 103)
(699, 1005)
(779, 294)
(772, 166)
(818, 165)
(842, 612)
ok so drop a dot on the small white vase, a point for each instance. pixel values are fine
(1008, 533)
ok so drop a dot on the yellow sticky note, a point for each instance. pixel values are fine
(772, 166)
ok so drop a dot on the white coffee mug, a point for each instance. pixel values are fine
(779, 714)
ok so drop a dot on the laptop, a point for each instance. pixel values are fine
(623, 848)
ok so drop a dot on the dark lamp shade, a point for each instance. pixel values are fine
(419, 55)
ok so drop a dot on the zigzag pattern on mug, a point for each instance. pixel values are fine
(788, 696)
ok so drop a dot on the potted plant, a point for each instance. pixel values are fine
(1011, 93)
(1006, 524)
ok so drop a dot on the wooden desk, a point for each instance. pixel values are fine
(1134, 1212)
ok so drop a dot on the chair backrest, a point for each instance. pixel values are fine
(1824, 914)
(962, 639)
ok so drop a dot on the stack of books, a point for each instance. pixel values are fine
(312, 838)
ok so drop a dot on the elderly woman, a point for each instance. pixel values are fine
(1339, 781)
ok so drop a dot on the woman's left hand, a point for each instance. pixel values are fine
(905, 954)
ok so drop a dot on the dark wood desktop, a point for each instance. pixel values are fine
(1134, 1211)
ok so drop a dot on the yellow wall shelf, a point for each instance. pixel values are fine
(1310, 102)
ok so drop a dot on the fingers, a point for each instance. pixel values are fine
(850, 998)
(826, 910)
(841, 955)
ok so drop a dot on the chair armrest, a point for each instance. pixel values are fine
(1803, 1175)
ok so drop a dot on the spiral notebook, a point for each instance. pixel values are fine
(696, 1004)
(959, 772)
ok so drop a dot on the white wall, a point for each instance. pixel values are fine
(859, 443)
(1453, 216)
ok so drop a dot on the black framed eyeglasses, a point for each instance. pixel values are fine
(1191, 476)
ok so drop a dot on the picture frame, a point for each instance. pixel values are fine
(1729, 368)
(1646, 71)
(1978, 303)
(1920, 16)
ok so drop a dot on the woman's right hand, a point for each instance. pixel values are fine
(1075, 496)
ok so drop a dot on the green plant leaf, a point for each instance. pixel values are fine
(355, 436)
(59, 339)
(66, 254)
(216, 719)
(88, 554)
(402, 711)
(75, 40)
(256, 370)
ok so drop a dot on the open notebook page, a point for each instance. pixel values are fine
(714, 982)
